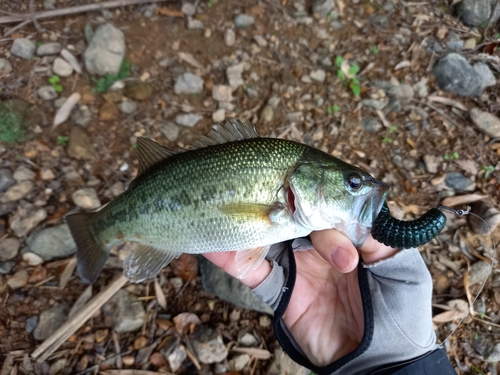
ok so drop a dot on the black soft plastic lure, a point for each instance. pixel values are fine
(406, 234)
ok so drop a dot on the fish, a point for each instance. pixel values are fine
(233, 190)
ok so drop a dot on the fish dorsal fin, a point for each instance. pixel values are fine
(150, 153)
(229, 131)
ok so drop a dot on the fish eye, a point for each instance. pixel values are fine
(355, 182)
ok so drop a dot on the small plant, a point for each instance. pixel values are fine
(488, 170)
(374, 49)
(54, 81)
(134, 146)
(386, 139)
(350, 78)
(453, 156)
(392, 129)
(62, 140)
(105, 83)
(332, 109)
(210, 3)
(12, 125)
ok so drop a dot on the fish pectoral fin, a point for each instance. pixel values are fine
(247, 261)
(144, 262)
(151, 153)
(252, 212)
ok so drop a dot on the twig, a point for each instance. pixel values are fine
(32, 15)
(71, 326)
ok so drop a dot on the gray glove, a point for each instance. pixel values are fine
(396, 295)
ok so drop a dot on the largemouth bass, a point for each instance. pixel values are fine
(233, 190)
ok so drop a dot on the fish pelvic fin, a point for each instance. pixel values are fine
(144, 262)
(90, 254)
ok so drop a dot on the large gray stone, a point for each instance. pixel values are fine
(124, 312)
(23, 48)
(228, 288)
(6, 179)
(188, 83)
(323, 7)
(106, 51)
(50, 321)
(477, 12)
(54, 242)
(486, 122)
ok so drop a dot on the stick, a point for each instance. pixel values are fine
(71, 326)
(73, 10)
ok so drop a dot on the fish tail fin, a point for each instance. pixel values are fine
(90, 254)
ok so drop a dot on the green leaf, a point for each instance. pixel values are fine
(210, 3)
(374, 49)
(392, 129)
(338, 61)
(340, 74)
(332, 109)
(387, 139)
(356, 89)
(488, 170)
(54, 79)
(354, 69)
(62, 140)
(105, 83)
(58, 88)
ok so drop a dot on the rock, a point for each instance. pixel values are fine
(46, 174)
(454, 74)
(188, 9)
(31, 323)
(484, 71)
(229, 289)
(267, 114)
(458, 181)
(49, 4)
(47, 93)
(476, 12)
(219, 115)
(336, 25)
(242, 21)
(260, 40)
(18, 191)
(79, 145)
(188, 83)
(234, 75)
(128, 107)
(422, 89)
(238, 362)
(106, 51)
(187, 119)
(124, 312)
(222, 93)
(18, 280)
(432, 163)
(62, 68)
(6, 179)
(108, 111)
(170, 131)
(139, 91)
(5, 67)
(403, 92)
(318, 75)
(176, 358)
(49, 49)
(492, 354)
(51, 243)
(57, 366)
(23, 48)
(478, 272)
(26, 218)
(230, 37)
(24, 174)
(50, 320)
(454, 43)
(371, 124)
(82, 115)
(486, 122)
(322, 8)
(9, 248)
(86, 198)
(247, 339)
(194, 24)
(6, 267)
(379, 20)
(32, 259)
(375, 104)
(208, 345)
(488, 213)
(470, 43)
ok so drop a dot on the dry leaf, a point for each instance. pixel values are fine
(160, 296)
(81, 301)
(468, 165)
(262, 354)
(170, 12)
(71, 59)
(158, 360)
(458, 200)
(164, 324)
(67, 273)
(65, 110)
(459, 308)
(184, 320)
(185, 267)
(450, 102)
(57, 216)
(39, 273)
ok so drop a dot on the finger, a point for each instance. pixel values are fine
(336, 249)
(373, 251)
(226, 261)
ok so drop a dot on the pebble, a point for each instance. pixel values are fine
(403, 92)
(124, 312)
(24, 174)
(187, 119)
(234, 75)
(238, 362)
(170, 131)
(219, 115)
(208, 345)
(6, 179)
(49, 49)
(375, 104)
(57, 366)
(18, 191)
(267, 114)
(371, 124)
(194, 24)
(492, 354)
(79, 145)
(6, 267)
(27, 217)
(62, 68)
(247, 339)
(189, 83)
(86, 198)
(454, 74)
(176, 358)
(432, 163)
(470, 43)
(458, 181)
(139, 91)
(454, 43)
(49, 4)
(486, 122)
(23, 48)
(230, 37)
(322, 8)
(18, 280)
(260, 40)
(242, 21)
(484, 71)
(128, 107)
(422, 89)
(379, 20)
(265, 321)
(106, 51)
(47, 93)
(222, 93)
(318, 75)
(488, 213)
(9, 248)
(51, 243)
(5, 67)
(50, 320)
(478, 272)
(32, 259)
(82, 115)
(31, 323)
(188, 9)
(108, 111)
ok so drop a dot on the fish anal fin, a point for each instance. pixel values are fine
(151, 153)
(228, 131)
(144, 262)
(252, 211)
(247, 261)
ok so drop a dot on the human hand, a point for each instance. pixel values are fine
(325, 312)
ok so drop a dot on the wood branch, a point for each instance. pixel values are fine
(73, 10)
(51, 344)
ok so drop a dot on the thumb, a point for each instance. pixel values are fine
(336, 249)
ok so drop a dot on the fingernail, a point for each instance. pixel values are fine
(341, 258)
